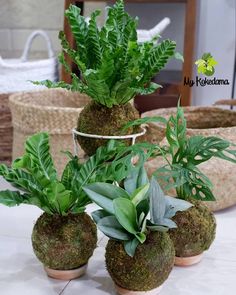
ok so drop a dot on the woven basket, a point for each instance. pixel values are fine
(55, 111)
(208, 121)
(5, 130)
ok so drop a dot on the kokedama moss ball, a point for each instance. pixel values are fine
(195, 232)
(149, 267)
(64, 242)
(98, 119)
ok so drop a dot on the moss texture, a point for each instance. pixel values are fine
(149, 267)
(64, 242)
(195, 232)
(98, 119)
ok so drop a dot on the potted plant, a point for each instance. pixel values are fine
(139, 254)
(196, 226)
(114, 68)
(64, 237)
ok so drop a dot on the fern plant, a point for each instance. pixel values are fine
(113, 66)
(36, 178)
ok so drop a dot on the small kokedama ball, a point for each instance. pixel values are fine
(98, 119)
(64, 242)
(195, 232)
(149, 267)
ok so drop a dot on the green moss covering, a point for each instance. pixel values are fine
(64, 242)
(149, 267)
(98, 119)
(195, 232)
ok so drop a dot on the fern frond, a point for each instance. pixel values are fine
(158, 58)
(79, 28)
(94, 52)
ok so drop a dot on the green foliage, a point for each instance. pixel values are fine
(114, 67)
(206, 65)
(36, 177)
(125, 213)
(186, 153)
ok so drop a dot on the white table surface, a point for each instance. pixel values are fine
(22, 274)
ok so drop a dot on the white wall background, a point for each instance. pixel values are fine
(216, 33)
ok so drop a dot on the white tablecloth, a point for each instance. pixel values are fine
(21, 273)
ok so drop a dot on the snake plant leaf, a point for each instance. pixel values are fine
(140, 194)
(126, 214)
(99, 214)
(131, 246)
(137, 178)
(103, 194)
(12, 198)
(110, 226)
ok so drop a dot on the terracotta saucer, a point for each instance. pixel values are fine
(66, 275)
(187, 261)
(123, 291)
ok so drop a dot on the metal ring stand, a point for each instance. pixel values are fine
(130, 136)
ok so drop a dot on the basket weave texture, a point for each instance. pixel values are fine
(5, 130)
(207, 121)
(53, 110)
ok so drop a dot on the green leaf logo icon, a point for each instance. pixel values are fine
(206, 65)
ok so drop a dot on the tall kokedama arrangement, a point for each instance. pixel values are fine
(64, 236)
(139, 254)
(114, 68)
(196, 226)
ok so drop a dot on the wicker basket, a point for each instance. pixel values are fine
(55, 111)
(5, 130)
(208, 121)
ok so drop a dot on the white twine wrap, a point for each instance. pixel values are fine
(130, 136)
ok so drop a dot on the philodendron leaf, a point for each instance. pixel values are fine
(126, 214)
(157, 202)
(103, 194)
(174, 205)
(99, 214)
(130, 246)
(12, 198)
(137, 178)
(140, 194)
(111, 227)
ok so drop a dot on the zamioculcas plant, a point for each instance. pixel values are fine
(139, 254)
(196, 226)
(64, 237)
(114, 68)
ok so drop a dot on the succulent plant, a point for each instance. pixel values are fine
(125, 212)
